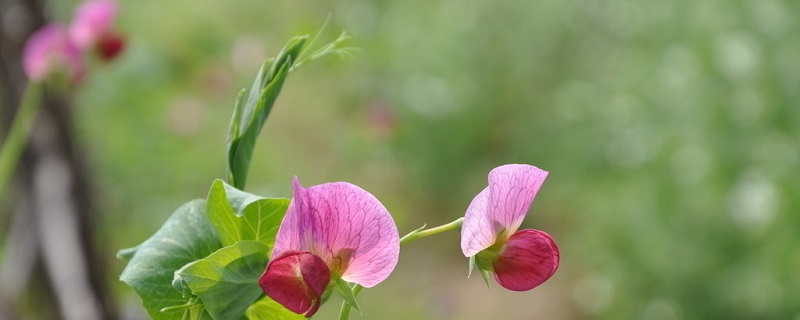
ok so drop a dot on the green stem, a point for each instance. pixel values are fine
(419, 233)
(344, 313)
(19, 132)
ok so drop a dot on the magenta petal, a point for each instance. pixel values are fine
(296, 280)
(529, 258)
(48, 49)
(345, 226)
(501, 206)
(93, 19)
(512, 188)
(477, 232)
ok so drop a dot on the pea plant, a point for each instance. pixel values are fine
(237, 255)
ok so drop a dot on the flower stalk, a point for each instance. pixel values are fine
(19, 132)
(344, 313)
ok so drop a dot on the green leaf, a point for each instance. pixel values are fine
(127, 254)
(266, 308)
(262, 219)
(185, 237)
(198, 312)
(227, 280)
(221, 214)
(238, 215)
(248, 119)
(346, 292)
(485, 274)
(236, 119)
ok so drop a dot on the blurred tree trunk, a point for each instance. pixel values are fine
(50, 267)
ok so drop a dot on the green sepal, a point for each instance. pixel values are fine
(346, 292)
(472, 265)
(227, 280)
(327, 293)
(484, 274)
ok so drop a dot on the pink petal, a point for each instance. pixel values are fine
(477, 232)
(92, 20)
(296, 280)
(529, 258)
(49, 49)
(512, 188)
(345, 226)
(500, 207)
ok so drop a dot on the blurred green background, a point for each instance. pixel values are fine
(671, 130)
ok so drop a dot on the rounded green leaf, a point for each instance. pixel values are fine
(227, 280)
(266, 308)
(185, 237)
(238, 215)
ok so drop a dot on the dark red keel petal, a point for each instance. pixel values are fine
(109, 46)
(296, 280)
(529, 258)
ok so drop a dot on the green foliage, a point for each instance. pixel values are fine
(179, 272)
(183, 270)
(346, 292)
(227, 280)
(669, 129)
(249, 115)
(266, 308)
(185, 237)
(237, 215)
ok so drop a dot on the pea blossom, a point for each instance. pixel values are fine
(92, 28)
(330, 231)
(520, 260)
(48, 50)
(56, 47)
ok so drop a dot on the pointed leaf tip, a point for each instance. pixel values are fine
(127, 254)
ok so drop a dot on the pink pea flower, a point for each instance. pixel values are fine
(330, 231)
(520, 260)
(91, 28)
(49, 50)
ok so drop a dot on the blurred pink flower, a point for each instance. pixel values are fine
(49, 50)
(330, 231)
(520, 260)
(92, 20)
(55, 46)
(92, 28)
(110, 46)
